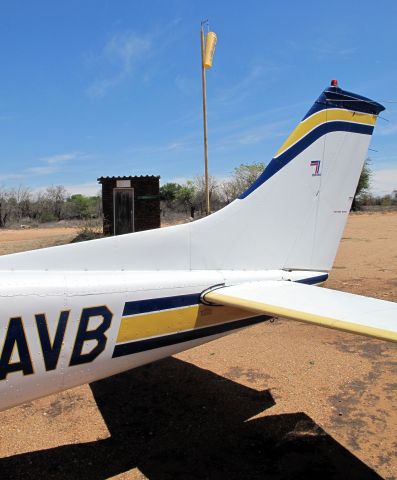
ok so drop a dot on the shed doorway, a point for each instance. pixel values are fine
(123, 201)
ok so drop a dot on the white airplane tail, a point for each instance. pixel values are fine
(292, 217)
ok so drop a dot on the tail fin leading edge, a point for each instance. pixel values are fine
(293, 216)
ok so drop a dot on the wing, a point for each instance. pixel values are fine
(306, 303)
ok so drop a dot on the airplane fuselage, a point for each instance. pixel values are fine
(62, 329)
(81, 312)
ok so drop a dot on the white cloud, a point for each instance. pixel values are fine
(62, 158)
(188, 86)
(53, 163)
(326, 46)
(88, 189)
(384, 181)
(254, 135)
(326, 49)
(257, 74)
(180, 180)
(121, 54)
(286, 113)
(178, 145)
(100, 87)
(264, 132)
(43, 170)
(11, 176)
(124, 48)
(218, 177)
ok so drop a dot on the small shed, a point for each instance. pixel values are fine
(130, 204)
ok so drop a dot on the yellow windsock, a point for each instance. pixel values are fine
(210, 43)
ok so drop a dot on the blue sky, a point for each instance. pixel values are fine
(101, 87)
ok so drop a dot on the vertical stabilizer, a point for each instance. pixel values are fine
(292, 217)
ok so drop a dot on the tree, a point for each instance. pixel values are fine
(41, 209)
(80, 206)
(364, 182)
(199, 197)
(169, 192)
(386, 201)
(5, 207)
(246, 174)
(242, 177)
(56, 195)
(185, 195)
(363, 186)
(15, 204)
(23, 198)
(77, 206)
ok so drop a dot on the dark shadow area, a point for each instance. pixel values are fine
(174, 420)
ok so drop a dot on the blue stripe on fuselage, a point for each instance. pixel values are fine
(186, 336)
(177, 301)
(314, 280)
(163, 303)
(156, 304)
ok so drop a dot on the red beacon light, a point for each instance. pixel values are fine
(334, 83)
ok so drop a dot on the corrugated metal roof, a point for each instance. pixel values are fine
(101, 179)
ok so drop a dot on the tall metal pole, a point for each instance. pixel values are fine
(207, 192)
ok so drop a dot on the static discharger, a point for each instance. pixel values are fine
(210, 43)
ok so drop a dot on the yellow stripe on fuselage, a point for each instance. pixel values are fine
(326, 115)
(171, 321)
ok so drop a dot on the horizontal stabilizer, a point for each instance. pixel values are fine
(320, 306)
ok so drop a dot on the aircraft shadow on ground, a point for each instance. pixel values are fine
(174, 420)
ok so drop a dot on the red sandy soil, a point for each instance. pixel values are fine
(280, 400)
(19, 240)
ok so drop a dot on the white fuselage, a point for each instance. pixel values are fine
(77, 313)
(62, 329)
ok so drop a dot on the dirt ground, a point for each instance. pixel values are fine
(19, 240)
(279, 400)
